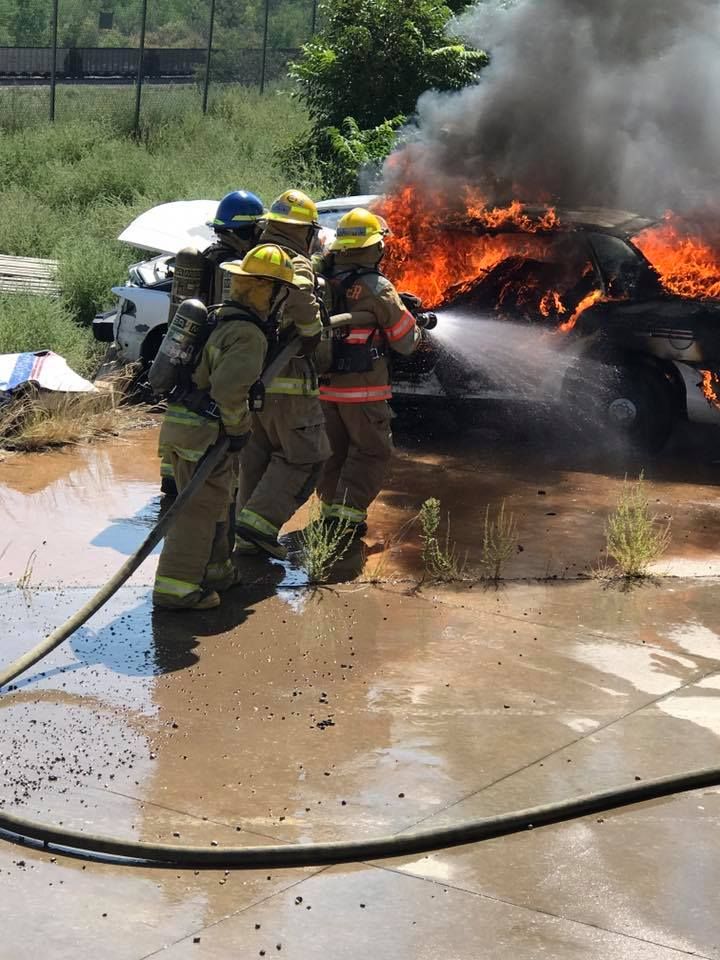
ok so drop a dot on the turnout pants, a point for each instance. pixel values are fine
(279, 465)
(196, 551)
(361, 441)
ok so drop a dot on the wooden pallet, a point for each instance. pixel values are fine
(28, 275)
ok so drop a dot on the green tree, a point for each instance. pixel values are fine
(373, 59)
(366, 69)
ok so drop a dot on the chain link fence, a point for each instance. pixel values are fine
(132, 61)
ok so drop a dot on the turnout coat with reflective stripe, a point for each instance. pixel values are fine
(394, 327)
(231, 361)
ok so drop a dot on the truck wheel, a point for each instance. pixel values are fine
(623, 404)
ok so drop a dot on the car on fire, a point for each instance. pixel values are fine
(630, 355)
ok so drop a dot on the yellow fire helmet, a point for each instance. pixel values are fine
(359, 228)
(294, 206)
(266, 262)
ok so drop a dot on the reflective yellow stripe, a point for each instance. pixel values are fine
(185, 453)
(293, 386)
(252, 520)
(174, 588)
(245, 546)
(343, 512)
(166, 469)
(231, 417)
(184, 417)
(218, 570)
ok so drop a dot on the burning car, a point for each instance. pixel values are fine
(590, 325)
(631, 348)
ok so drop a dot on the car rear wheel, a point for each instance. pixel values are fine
(621, 404)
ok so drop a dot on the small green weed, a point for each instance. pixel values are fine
(440, 556)
(634, 537)
(323, 544)
(499, 542)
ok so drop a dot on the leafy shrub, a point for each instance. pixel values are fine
(635, 538)
(439, 554)
(323, 544)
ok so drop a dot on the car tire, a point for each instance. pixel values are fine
(624, 405)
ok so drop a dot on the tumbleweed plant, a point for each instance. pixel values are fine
(323, 544)
(634, 537)
(439, 554)
(499, 542)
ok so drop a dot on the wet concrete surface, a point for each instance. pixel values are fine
(95, 504)
(292, 714)
(357, 711)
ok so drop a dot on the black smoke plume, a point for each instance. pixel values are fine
(603, 102)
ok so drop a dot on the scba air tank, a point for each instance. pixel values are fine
(178, 349)
(190, 278)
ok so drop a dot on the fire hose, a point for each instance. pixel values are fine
(76, 843)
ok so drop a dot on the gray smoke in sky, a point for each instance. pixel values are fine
(608, 102)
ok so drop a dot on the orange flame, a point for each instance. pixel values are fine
(685, 254)
(552, 302)
(590, 300)
(429, 256)
(707, 385)
(442, 248)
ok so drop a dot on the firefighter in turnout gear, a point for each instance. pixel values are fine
(195, 562)
(237, 227)
(280, 465)
(355, 394)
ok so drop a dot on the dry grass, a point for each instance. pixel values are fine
(634, 537)
(38, 421)
(499, 542)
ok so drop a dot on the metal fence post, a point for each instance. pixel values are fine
(265, 45)
(53, 71)
(314, 18)
(141, 57)
(209, 56)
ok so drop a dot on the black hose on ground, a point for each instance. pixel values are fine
(313, 854)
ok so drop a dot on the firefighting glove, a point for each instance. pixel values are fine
(308, 345)
(236, 443)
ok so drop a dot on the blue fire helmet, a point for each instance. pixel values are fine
(238, 210)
